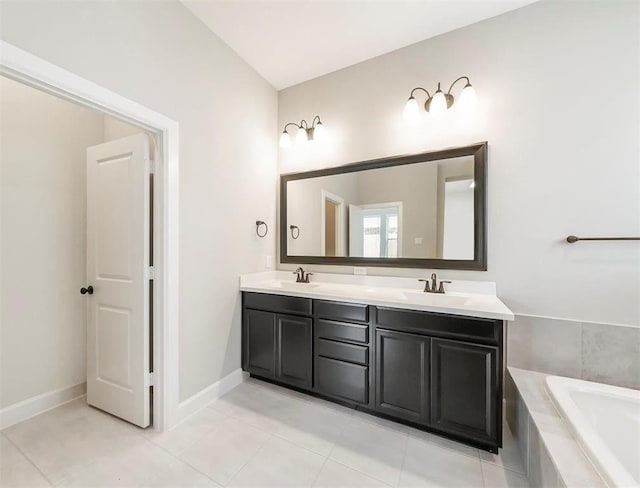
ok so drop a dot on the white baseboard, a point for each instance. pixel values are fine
(211, 393)
(36, 405)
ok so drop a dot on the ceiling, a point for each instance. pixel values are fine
(292, 41)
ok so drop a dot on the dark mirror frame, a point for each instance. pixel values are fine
(478, 263)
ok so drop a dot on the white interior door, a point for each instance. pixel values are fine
(118, 250)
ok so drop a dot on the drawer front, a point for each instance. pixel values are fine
(342, 311)
(343, 351)
(346, 381)
(485, 330)
(340, 331)
(278, 303)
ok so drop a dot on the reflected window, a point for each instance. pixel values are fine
(379, 232)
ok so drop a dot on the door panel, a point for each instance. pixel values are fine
(464, 388)
(260, 343)
(402, 362)
(295, 350)
(118, 249)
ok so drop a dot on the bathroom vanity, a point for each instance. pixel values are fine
(434, 362)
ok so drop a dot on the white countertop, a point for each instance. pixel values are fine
(469, 298)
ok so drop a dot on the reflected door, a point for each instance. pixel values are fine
(118, 249)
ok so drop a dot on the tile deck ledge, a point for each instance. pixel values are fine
(527, 399)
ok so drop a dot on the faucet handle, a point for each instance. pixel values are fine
(426, 285)
(441, 287)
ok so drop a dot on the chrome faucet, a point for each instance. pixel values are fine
(301, 277)
(434, 288)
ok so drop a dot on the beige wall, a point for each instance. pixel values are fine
(158, 54)
(561, 115)
(43, 140)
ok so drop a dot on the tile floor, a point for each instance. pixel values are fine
(258, 435)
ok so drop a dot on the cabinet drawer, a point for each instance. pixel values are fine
(342, 311)
(429, 323)
(343, 380)
(343, 351)
(278, 303)
(340, 331)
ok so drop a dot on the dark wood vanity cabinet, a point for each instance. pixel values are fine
(278, 346)
(402, 375)
(436, 371)
(464, 389)
(342, 351)
(441, 371)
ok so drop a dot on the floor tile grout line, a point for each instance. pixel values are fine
(29, 460)
(503, 466)
(484, 483)
(251, 458)
(337, 461)
(404, 460)
(315, 479)
(86, 466)
(186, 462)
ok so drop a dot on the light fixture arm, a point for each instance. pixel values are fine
(313, 122)
(291, 123)
(419, 88)
(456, 81)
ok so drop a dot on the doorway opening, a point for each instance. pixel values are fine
(162, 300)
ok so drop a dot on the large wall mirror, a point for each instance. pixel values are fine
(424, 210)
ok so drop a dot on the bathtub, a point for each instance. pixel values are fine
(605, 420)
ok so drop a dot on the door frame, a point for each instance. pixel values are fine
(340, 222)
(38, 73)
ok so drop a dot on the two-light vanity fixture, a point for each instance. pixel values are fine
(437, 103)
(304, 133)
(440, 101)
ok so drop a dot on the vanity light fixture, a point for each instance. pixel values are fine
(304, 132)
(440, 101)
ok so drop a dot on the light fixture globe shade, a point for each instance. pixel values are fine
(301, 136)
(438, 103)
(467, 99)
(319, 133)
(411, 109)
(285, 140)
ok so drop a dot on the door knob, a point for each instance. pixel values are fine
(88, 289)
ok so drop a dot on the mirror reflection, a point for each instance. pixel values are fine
(419, 210)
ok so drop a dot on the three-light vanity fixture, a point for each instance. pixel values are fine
(304, 132)
(441, 101)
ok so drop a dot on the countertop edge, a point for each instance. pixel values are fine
(384, 303)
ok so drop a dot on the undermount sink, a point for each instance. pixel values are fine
(437, 299)
(293, 285)
(382, 294)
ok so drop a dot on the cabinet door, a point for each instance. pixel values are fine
(402, 363)
(464, 394)
(259, 340)
(294, 350)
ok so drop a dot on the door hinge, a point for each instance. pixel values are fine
(149, 380)
(151, 166)
(149, 273)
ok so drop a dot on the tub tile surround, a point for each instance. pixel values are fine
(552, 457)
(605, 353)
